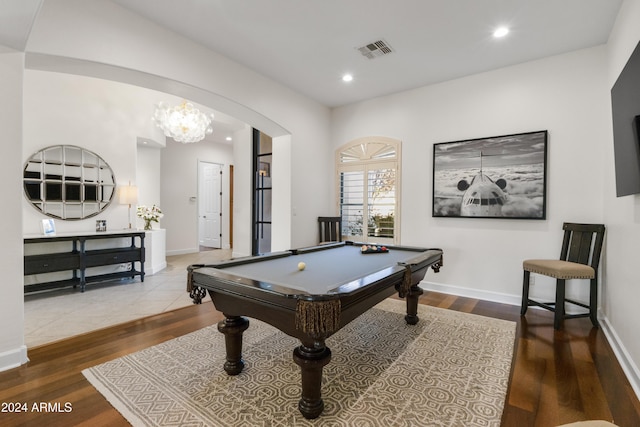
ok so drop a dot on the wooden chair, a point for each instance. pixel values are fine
(329, 229)
(579, 259)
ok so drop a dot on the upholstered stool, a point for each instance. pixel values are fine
(579, 259)
(559, 269)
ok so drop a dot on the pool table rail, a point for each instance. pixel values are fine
(284, 308)
(215, 274)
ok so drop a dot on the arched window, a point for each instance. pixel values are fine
(369, 189)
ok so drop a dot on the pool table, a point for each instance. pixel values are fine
(338, 283)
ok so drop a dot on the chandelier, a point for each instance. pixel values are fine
(184, 123)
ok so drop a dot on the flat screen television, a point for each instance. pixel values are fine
(625, 107)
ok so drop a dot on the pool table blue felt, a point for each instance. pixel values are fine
(334, 270)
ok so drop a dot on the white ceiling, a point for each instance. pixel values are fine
(307, 45)
(16, 19)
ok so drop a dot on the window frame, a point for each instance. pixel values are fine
(367, 148)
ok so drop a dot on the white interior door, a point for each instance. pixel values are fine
(209, 204)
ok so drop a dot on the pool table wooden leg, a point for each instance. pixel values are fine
(232, 327)
(412, 304)
(311, 360)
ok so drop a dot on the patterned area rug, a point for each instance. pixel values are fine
(451, 369)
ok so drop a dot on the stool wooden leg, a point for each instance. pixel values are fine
(559, 306)
(593, 303)
(525, 293)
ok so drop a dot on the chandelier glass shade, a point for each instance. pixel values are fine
(184, 123)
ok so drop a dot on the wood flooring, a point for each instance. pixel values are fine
(557, 377)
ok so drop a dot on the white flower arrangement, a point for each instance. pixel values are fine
(149, 215)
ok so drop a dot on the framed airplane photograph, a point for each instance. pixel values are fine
(496, 177)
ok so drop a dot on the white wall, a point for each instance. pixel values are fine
(113, 116)
(622, 216)
(242, 155)
(282, 214)
(148, 180)
(483, 257)
(13, 351)
(179, 183)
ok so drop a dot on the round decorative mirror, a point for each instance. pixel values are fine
(68, 182)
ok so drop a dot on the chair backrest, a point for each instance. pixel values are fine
(329, 229)
(582, 243)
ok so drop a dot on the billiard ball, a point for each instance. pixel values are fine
(301, 266)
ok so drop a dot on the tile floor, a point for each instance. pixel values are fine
(54, 315)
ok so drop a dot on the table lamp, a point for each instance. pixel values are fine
(129, 196)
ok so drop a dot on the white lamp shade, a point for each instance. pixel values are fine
(128, 195)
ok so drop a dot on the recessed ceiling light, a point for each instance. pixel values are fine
(229, 138)
(500, 32)
(347, 78)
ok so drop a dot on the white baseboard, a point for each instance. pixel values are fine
(189, 251)
(13, 358)
(239, 254)
(622, 355)
(628, 366)
(155, 268)
(182, 251)
(471, 293)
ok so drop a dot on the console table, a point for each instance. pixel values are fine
(75, 253)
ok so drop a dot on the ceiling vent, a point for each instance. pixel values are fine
(375, 49)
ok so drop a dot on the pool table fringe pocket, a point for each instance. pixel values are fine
(190, 269)
(406, 282)
(196, 293)
(318, 317)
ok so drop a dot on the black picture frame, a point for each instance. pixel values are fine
(496, 177)
(101, 225)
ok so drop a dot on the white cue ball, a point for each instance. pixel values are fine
(301, 266)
